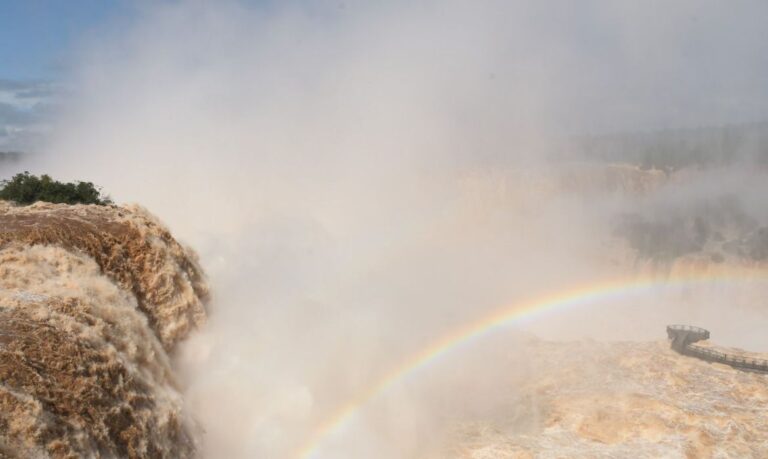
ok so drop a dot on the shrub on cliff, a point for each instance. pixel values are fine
(27, 189)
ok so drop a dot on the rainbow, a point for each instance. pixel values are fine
(503, 317)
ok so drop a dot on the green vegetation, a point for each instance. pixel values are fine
(27, 189)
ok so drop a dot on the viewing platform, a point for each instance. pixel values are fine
(684, 338)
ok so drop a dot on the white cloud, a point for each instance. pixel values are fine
(24, 112)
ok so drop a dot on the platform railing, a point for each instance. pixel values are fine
(684, 336)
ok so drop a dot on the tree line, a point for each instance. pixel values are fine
(25, 188)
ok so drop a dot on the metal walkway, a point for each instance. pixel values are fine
(684, 338)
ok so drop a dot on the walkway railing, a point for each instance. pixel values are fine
(684, 336)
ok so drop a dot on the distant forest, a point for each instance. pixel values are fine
(677, 148)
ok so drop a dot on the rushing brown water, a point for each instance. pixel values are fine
(629, 399)
(92, 301)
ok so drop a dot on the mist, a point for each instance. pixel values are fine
(361, 178)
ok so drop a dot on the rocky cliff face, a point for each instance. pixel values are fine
(92, 300)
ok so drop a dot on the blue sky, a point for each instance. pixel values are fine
(35, 38)
(35, 35)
